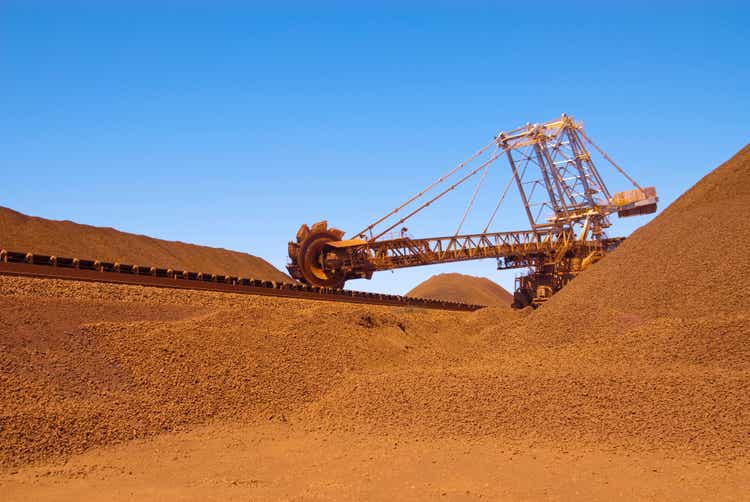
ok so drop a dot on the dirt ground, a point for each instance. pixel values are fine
(278, 462)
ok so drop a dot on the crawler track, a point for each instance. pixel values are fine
(53, 267)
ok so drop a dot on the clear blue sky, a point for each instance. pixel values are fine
(229, 124)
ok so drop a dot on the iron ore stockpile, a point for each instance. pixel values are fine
(462, 288)
(19, 232)
(631, 383)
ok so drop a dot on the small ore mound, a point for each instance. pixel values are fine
(19, 232)
(462, 288)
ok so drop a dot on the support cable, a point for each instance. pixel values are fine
(471, 202)
(499, 203)
(459, 182)
(420, 194)
(603, 153)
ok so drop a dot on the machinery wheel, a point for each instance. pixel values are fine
(307, 253)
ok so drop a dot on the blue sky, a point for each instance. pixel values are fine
(229, 124)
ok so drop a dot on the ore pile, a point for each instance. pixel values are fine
(462, 288)
(85, 364)
(690, 262)
(29, 234)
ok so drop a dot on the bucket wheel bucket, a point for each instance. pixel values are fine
(307, 254)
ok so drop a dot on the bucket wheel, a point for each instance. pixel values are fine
(307, 256)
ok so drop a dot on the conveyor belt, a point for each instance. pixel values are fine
(53, 267)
